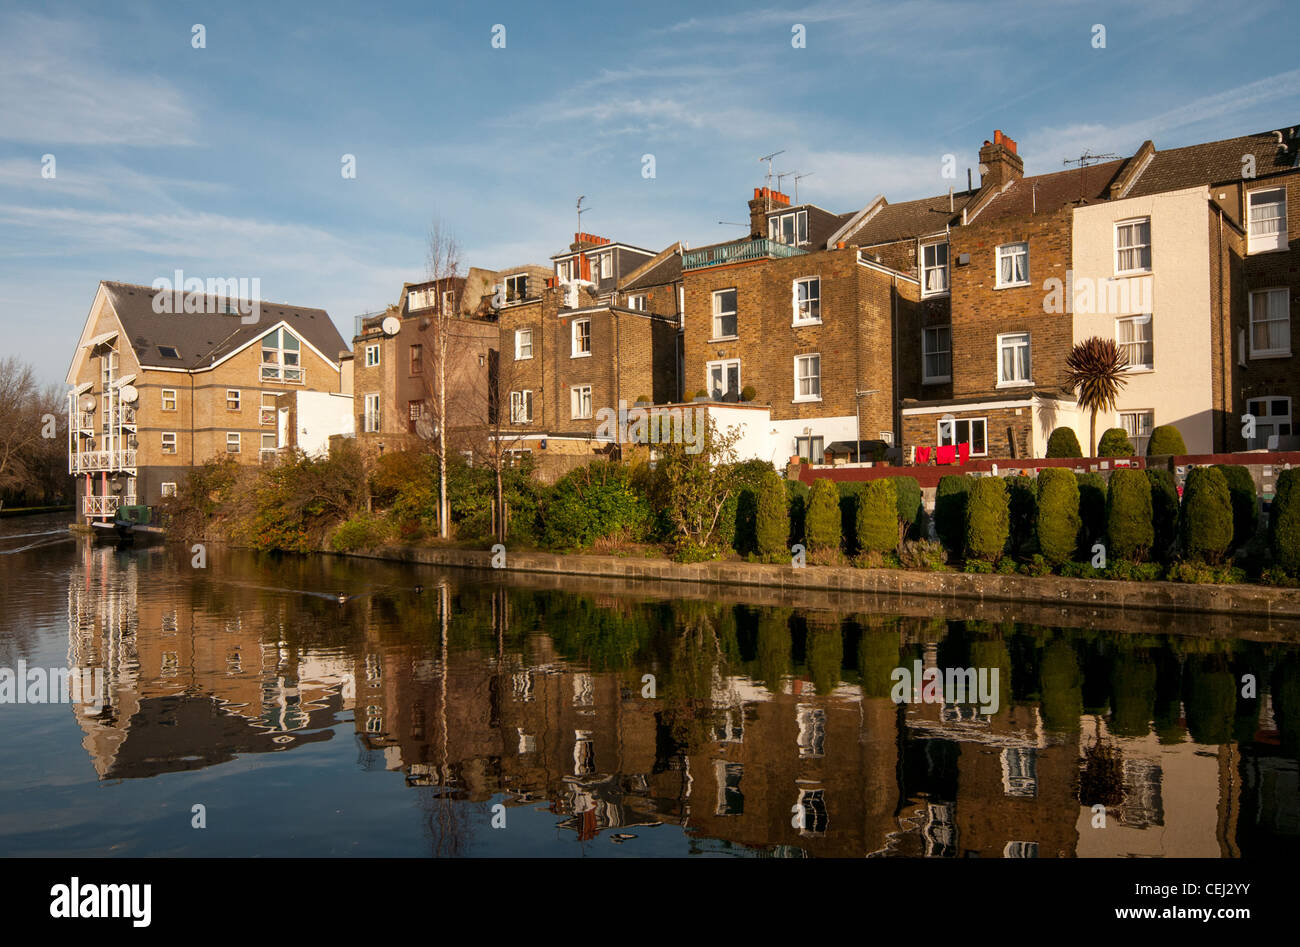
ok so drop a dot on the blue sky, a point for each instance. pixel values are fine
(225, 161)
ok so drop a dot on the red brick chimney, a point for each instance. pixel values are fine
(765, 199)
(585, 241)
(999, 162)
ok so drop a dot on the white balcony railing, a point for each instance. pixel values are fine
(105, 505)
(90, 461)
(290, 374)
(268, 455)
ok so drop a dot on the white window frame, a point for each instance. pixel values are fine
(719, 314)
(519, 280)
(926, 378)
(234, 439)
(1029, 360)
(1138, 440)
(370, 412)
(817, 377)
(723, 364)
(372, 355)
(563, 269)
(520, 335)
(521, 406)
(1142, 319)
(944, 437)
(234, 401)
(636, 302)
(167, 489)
(1266, 241)
(168, 395)
(448, 301)
(798, 228)
(1285, 320)
(926, 269)
(1270, 420)
(168, 441)
(577, 410)
(813, 304)
(576, 338)
(1133, 222)
(816, 452)
(1009, 251)
(601, 265)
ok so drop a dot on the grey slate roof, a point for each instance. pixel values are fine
(667, 270)
(909, 219)
(1215, 162)
(200, 338)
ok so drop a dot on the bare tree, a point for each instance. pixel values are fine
(33, 431)
(443, 269)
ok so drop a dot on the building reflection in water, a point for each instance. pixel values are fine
(772, 731)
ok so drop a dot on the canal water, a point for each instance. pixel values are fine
(242, 708)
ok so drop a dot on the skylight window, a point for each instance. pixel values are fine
(168, 351)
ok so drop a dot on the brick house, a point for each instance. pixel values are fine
(155, 394)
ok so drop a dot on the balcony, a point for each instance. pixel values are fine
(93, 461)
(288, 374)
(266, 416)
(105, 505)
(738, 251)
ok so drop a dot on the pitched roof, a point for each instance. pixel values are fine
(908, 219)
(1216, 161)
(200, 338)
(1045, 193)
(663, 269)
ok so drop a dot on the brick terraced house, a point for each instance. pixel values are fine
(155, 394)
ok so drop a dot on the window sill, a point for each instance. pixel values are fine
(523, 358)
(1139, 370)
(1010, 286)
(580, 355)
(1015, 384)
(805, 322)
(1262, 250)
(937, 380)
(1128, 274)
(1265, 355)
(935, 295)
(724, 338)
(806, 400)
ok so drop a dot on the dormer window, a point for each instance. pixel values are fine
(790, 229)
(600, 266)
(516, 288)
(564, 270)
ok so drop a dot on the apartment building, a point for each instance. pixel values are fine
(396, 353)
(570, 361)
(154, 394)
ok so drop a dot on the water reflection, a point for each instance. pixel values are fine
(771, 730)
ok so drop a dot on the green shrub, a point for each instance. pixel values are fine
(796, 492)
(1129, 533)
(1164, 510)
(772, 517)
(1092, 511)
(908, 492)
(950, 511)
(877, 520)
(1166, 439)
(591, 503)
(748, 393)
(822, 521)
(988, 519)
(1284, 521)
(736, 523)
(1115, 443)
(1245, 502)
(1063, 442)
(1206, 516)
(848, 491)
(1057, 520)
(1022, 501)
(360, 531)
(922, 554)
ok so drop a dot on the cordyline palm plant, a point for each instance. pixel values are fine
(1096, 373)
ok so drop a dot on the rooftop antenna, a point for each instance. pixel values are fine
(581, 210)
(732, 223)
(783, 174)
(796, 184)
(768, 159)
(1083, 161)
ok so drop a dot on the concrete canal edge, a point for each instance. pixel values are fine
(1237, 600)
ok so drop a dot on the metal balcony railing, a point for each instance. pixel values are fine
(738, 251)
(91, 461)
(105, 505)
(290, 374)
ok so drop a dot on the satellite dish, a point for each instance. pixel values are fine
(129, 393)
(391, 325)
(88, 404)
